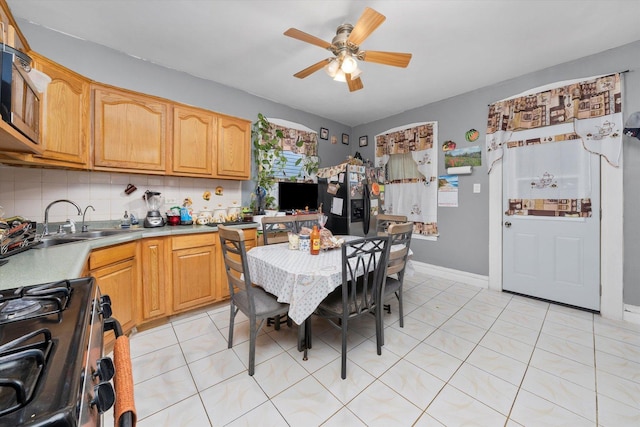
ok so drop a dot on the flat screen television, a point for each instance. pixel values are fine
(297, 196)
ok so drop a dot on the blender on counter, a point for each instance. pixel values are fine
(154, 202)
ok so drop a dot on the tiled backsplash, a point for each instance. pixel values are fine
(28, 191)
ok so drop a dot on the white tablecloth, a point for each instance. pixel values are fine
(298, 278)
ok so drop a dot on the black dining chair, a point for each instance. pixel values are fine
(364, 264)
(256, 303)
(399, 243)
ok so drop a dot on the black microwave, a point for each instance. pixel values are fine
(19, 97)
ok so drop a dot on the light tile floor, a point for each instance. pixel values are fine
(465, 357)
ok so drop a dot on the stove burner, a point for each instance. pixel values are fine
(22, 362)
(18, 307)
(37, 301)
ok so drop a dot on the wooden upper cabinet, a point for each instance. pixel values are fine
(65, 125)
(131, 131)
(234, 148)
(194, 137)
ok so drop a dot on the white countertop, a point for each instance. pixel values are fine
(36, 266)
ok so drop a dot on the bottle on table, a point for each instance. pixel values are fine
(315, 241)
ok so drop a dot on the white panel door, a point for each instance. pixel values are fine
(555, 258)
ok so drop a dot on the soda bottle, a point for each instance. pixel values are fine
(315, 241)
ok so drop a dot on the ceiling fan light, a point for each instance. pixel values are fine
(355, 73)
(349, 65)
(332, 68)
(340, 77)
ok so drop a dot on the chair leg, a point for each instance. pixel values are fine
(400, 310)
(233, 311)
(344, 350)
(252, 346)
(379, 330)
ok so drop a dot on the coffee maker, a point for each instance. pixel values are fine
(154, 217)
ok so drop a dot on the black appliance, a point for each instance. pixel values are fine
(348, 201)
(52, 372)
(294, 196)
(19, 97)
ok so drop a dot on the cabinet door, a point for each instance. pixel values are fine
(194, 133)
(234, 148)
(130, 131)
(118, 281)
(194, 277)
(65, 124)
(155, 279)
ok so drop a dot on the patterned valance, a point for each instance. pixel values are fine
(292, 136)
(593, 106)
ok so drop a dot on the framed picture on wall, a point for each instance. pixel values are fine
(324, 133)
(364, 141)
(345, 139)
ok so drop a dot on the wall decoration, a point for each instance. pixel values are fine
(469, 156)
(448, 191)
(448, 146)
(471, 135)
(334, 139)
(345, 139)
(324, 133)
(364, 141)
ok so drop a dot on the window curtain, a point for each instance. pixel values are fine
(547, 135)
(409, 159)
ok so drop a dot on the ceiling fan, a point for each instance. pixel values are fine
(345, 46)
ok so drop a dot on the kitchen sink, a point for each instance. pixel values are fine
(92, 234)
(56, 241)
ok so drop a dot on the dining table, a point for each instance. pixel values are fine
(297, 278)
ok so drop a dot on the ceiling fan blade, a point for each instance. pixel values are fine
(395, 59)
(355, 84)
(308, 38)
(312, 69)
(368, 22)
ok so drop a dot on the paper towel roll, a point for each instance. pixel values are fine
(460, 170)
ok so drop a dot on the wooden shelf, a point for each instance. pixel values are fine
(15, 142)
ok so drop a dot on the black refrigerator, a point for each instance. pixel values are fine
(349, 202)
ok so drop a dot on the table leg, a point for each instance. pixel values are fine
(304, 337)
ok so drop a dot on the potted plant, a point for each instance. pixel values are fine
(269, 159)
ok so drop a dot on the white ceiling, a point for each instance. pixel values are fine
(457, 45)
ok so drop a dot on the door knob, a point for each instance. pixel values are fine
(507, 224)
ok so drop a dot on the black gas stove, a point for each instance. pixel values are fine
(51, 368)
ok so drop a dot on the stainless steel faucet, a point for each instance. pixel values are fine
(85, 228)
(45, 230)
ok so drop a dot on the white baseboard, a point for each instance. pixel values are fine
(451, 274)
(631, 314)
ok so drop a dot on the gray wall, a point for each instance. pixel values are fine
(463, 241)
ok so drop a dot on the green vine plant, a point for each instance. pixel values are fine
(269, 159)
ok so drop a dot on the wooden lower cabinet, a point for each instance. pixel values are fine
(195, 261)
(155, 286)
(116, 272)
(157, 277)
